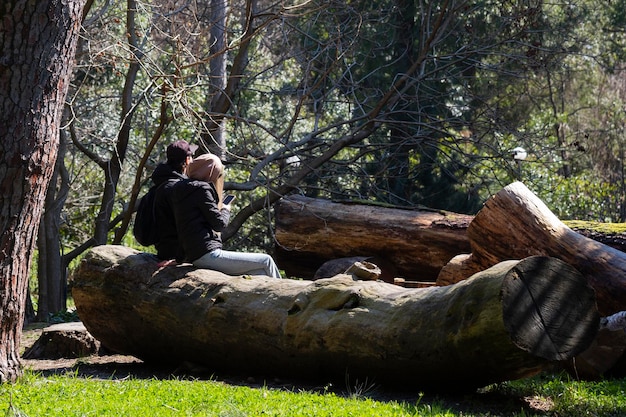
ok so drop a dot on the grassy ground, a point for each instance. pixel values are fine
(113, 387)
(68, 396)
(118, 385)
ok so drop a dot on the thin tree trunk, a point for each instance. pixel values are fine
(113, 166)
(216, 140)
(37, 41)
(51, 274)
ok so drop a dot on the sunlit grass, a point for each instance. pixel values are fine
(574, 398)
(72, 395)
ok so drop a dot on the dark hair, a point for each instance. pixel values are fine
(177, 166)
(178, 152)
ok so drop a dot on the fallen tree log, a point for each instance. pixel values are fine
(410, 243)
(508, 322)
(515, 223)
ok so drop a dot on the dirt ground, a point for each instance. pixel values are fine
(118, 367)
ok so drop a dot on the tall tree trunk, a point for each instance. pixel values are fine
(112, 167)
(51, 274)
(37, 40)
(397, 161)
(216, 140)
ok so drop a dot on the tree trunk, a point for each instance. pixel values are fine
(418, 243)
(515, 224)
(215, 138)
(505, 323)
(37, 41)
(51, 275)
(113, 166)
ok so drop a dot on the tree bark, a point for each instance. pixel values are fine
(418, 243)
(505, 323)
(37, 41)
(515, 224)
(51, 271)
(112, 167)
(215, 138)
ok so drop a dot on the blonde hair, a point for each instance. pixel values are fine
(208, 167)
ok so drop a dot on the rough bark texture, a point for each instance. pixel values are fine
(504, 323)
(417, 243)
(515, 224)
(37, 42)
(51, 269)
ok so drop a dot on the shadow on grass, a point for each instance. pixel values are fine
(116, 367)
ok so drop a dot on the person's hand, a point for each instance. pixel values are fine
(167, 262)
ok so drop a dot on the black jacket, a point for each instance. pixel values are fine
(164, 176)
(198, 219)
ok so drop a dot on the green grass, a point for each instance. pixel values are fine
(69, 395)
(72, 395)
(577, 398)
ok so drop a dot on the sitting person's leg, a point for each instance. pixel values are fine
(239, 263)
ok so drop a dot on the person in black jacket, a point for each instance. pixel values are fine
(165, 175)
(201, 215)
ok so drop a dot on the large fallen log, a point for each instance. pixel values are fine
(515, 223)
(411, 243)
(415, 243)
(508, 322)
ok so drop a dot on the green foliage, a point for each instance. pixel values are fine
(450, 92)
(581, 198)
(63, 317)
(472, 83)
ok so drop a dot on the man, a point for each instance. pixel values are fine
(165, 175)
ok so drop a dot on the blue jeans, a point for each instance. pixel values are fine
(238, 263)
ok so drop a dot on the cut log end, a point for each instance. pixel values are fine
(548, 308)
(428, 339)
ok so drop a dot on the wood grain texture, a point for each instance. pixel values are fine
(418, 243)
(332, 328)
(515, 224)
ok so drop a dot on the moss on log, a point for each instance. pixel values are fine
(515, 223)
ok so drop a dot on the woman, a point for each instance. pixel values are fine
(200, 217)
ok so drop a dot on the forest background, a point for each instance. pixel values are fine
(407, 103)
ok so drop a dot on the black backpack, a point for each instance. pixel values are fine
(145, 229)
